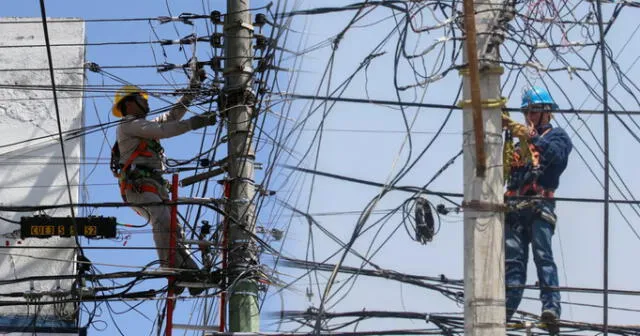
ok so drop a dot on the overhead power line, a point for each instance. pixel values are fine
(413, 189)
(431, 105)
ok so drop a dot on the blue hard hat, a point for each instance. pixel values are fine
(537, 95)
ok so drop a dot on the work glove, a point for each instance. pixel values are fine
(517, 130)
(197, 77)
(202, 120)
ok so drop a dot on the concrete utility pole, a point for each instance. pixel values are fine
(484, 289)
(238, 101)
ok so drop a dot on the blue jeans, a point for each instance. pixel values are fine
(521, 229)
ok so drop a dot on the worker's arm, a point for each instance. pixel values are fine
(554, 147)
(151, 129)
(178, 110)
(143, 128)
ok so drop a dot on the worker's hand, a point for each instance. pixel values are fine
(202, 120)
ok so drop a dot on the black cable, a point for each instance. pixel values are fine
(81, 254)
(605, 97)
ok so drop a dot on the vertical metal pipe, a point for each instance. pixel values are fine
(605, 104)
(173, 229)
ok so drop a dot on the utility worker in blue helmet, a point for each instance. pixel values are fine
(138, 163)
(533, 220)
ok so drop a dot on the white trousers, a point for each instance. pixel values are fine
(159, 217)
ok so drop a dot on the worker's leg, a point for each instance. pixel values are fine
(516, 258)
(160, 218)
(542, 231)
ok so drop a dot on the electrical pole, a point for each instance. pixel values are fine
(238, 106)
(484, 290)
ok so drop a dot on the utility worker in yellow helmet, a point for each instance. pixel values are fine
(137, 161)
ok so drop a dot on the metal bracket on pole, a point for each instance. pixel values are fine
(202, 176)
(239, 24)
(197, 327)
(484, 206)
(245, 69)
(201, 200)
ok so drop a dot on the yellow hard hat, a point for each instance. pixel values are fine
(122, 93)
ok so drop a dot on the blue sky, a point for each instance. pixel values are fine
(375, 156)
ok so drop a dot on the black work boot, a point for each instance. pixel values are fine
(550, 318)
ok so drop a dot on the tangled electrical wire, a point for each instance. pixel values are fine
(418, 219)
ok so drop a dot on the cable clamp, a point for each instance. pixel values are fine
(486, 103)
(464, 71)
(244, 25)
(484, 206)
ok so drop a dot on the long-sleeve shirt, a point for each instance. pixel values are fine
(553, 146)
(134, 129)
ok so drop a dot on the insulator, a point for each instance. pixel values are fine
(216, 17)
(216, 40)
(261, 20)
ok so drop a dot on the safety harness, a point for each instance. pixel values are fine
(519, 161)
(131, 179)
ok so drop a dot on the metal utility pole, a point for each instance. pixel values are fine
(237, 105)
(484, 289)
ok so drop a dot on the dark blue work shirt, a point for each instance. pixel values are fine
(554, 146)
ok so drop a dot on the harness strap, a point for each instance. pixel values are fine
(531, 188)
(141, 150)
(545, 193)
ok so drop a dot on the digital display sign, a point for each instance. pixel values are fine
(45, 227)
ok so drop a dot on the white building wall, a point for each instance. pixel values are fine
(31, 172)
